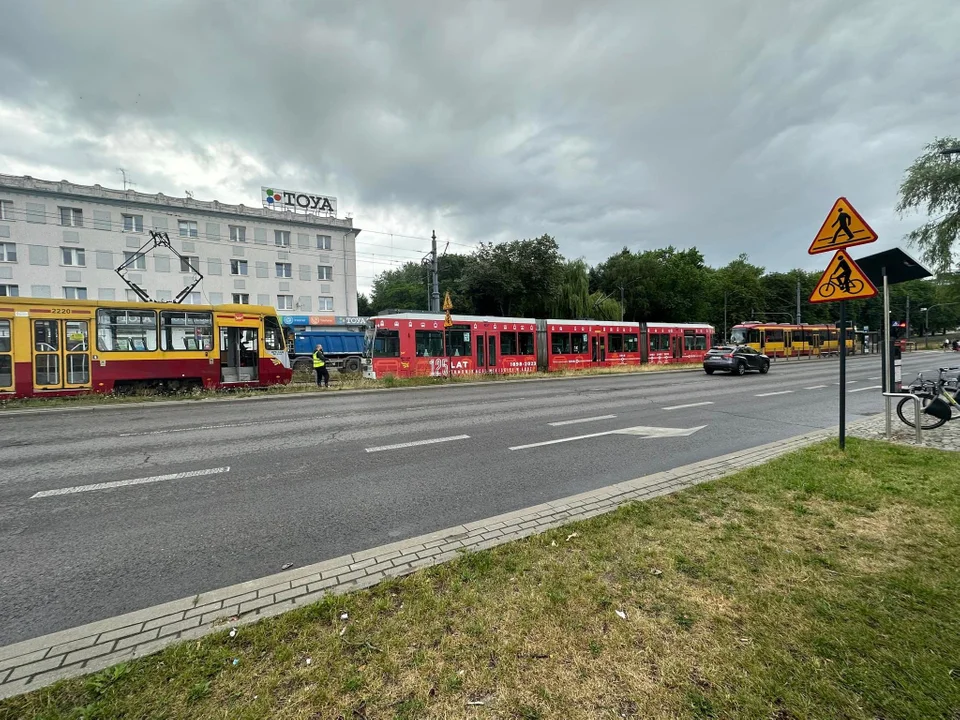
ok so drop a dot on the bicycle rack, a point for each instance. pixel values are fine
(916, 412)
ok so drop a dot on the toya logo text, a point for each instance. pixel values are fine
(277, 199)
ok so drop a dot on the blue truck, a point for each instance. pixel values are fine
(343, 350)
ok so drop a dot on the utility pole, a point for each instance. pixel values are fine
(435, 297)
(907, 339)
(798, 302)
(724, 315)
(621, 302)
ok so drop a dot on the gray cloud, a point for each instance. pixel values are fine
(730, 126)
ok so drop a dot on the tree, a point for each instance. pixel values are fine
(932, 184)
(363, 306)
(573, 294)
(518, 278)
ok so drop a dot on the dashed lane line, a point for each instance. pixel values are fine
(872, 387)
(816, 387)
(125, 483)
(581, 420)
(688, 405)
(415, 443)
(779, 392)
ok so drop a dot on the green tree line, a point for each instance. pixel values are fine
(531, 278)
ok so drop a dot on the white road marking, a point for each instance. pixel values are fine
(581, 420)
(640, 430)
(688, 405)
(872, 387)
(874, 378)
(778, 392)
(816, 387)
(124, 483)
(415, 443)
(225, 425)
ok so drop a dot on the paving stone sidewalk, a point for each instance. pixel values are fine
(946, 437)
(32, 664)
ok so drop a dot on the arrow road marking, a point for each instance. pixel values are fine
(639, 430)
(124, 483)
(415, 443)
(581, 420)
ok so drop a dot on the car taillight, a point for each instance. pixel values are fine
(728, 356)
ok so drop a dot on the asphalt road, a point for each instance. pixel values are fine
(301, 479)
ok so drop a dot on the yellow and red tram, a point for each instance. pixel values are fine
(789, 340)
(51, 347)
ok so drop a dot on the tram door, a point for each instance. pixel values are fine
(481, 341)
(239, 354)
(492, 351)
(599, 348)
(6, 356)
(61, 354)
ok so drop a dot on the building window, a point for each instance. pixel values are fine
(71, 217)
(241, 298)
(9, 291)
(281, 238)
(132, 223)
(139, 260)
(73, 256)
(325, 304)
(284, 270)
(133, 297)
(238, 267)
(188, 228)
(238, 233)
(75, 293)
(190, 263)
(193, 298)
(325, 272)
(285, 302)
(324, 242)
(6, 210)
(8, 252)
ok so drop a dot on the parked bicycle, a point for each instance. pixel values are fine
(938, 399)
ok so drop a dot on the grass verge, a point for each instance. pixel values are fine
(305, 382)
(821, 585)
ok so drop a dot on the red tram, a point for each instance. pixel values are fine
(414, 344)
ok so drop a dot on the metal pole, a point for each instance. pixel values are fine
(908, 321)
(621, 302)
(843, 374)
(799, 322)
(887, 363)
(435, 297)
(724, 316)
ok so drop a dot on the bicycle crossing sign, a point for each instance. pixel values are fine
(844, 227)
(842, 280)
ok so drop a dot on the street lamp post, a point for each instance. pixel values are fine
(926, 310)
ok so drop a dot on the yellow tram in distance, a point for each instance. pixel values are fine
(790, 340)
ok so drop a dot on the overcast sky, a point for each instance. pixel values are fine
(731, 125)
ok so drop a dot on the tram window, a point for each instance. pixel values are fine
(560, 343)
(46, 336)
(615, 342)
(774, 336)
(4, 336)
(631, 343)
(429, 343)
(272, 334)
(689, 341)
(701, 342)
(6, 371)
(508, 343)
(581, 345)
(659, 342)
(753, 336)
(458, 342)
(125, 330)
(187, 330)
(525, 343)
(387, 343)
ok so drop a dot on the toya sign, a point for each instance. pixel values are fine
(277, 199)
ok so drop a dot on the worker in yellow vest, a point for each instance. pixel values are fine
(320, 365)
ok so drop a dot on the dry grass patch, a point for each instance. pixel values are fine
(819, 586)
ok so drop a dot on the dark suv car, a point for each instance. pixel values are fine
(735, 359)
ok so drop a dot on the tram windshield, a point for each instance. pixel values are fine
(368, 336)
(741, 336)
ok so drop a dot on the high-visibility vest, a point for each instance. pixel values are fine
(318, 359)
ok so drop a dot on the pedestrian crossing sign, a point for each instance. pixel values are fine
(843, 228)
(842, 280)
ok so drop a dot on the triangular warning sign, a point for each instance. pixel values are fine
(447, 303)
(842, 280)
(843, 228)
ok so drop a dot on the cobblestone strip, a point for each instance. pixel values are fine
(38, 662)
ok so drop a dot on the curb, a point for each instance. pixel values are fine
(36, 663)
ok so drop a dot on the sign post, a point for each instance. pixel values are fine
(447, 324)
(842, 280)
